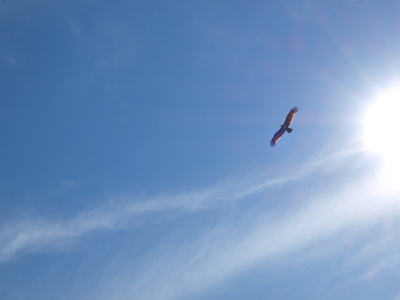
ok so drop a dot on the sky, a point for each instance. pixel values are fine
(135, 159)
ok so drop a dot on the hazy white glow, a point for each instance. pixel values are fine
(382, 133)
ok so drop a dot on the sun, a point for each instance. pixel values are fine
(381, 130)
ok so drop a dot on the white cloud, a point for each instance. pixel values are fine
(32, 235)
(181, 266)
(236, 246)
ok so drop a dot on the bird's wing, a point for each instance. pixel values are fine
(276, 137)
(290, 116)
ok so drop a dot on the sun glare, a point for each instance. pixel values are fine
(381, 131)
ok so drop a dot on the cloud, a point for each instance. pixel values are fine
(244, 242)
(30, 235)
(192, 258)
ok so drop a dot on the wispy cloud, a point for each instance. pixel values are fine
(230, 249)
(30, 235)
(183, 266)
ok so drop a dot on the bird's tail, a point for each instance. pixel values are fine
(289, 130)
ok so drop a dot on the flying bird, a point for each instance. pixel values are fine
(284, 127)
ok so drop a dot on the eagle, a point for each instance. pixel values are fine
(284, 127)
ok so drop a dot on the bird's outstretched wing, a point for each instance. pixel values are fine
(290, 116)
(276, 137)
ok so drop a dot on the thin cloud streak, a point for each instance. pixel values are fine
(227, 251)
(38, 235)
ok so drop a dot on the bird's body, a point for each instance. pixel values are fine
(284, 126)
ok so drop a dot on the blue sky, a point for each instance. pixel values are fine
(135, 158)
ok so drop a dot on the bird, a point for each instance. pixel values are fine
(284, 126)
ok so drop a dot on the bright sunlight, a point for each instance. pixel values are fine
(381, 131)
